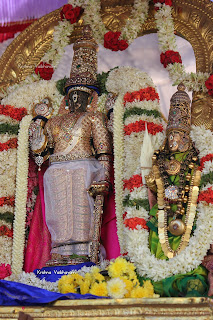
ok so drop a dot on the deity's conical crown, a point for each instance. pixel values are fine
(83, 75)
(180, 111)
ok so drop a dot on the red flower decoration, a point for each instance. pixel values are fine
(10, 144)
(206, 195)
(208, 157)
(45, 70)
(71, 14)
(167, 3)
(209, 85)
(148, 93)
(5, 271)
(112, 42)
(132, 223)
(139, 126)
(10, 201)
(5, 231)
(14, 113)
(170, 56)
(134, 182)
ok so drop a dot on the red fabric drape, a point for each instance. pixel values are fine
(8, 31)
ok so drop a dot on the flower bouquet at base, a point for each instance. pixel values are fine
(118, 281)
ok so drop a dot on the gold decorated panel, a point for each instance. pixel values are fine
(26, 51)
(162, 308)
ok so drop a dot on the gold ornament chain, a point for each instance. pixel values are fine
(162, 214)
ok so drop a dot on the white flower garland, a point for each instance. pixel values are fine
(21, 196)
(130, 31)
(118, 140)
(60, 40)
(167, 41)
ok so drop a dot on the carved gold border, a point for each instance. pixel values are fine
(162, 308)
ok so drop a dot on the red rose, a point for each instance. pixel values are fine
(70, 15)
(209, 85)
(77, 11)
(170, 56)
(45, 70)
(5, 271)
(123, 45)
(111, 41)
(167, 2)
(66, 7)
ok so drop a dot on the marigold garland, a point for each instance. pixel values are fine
(143, 94)
(206, 195)
(10, 201)
(5, 231)
(133, 223)
(14, 113)
(208, 157)
(10, 144)
(134, 182)
(139, 126)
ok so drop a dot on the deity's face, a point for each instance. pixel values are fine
(178, 141)
(78, 101)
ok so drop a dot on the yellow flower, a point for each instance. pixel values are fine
(118, 267)
(67, 288)
(99, 289)
(138, 292)
(98, 277)
(94, 270)
(69, 283)
(84, 286)
(129, 286)
(149, 288)
(88, 277)
(116, 288)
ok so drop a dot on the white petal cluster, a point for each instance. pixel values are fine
(127, 79)
(203, 139)
(21, 196)
(27, 96)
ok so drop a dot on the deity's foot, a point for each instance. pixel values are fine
(62, 260)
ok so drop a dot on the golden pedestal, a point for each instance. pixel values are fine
(155, 309)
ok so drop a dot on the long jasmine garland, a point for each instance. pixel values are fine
(191, 257)
(21, 196)
(118, 140)
(170, 57)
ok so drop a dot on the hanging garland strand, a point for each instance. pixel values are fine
(170, 57)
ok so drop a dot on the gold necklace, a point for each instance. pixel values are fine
(177, 223)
